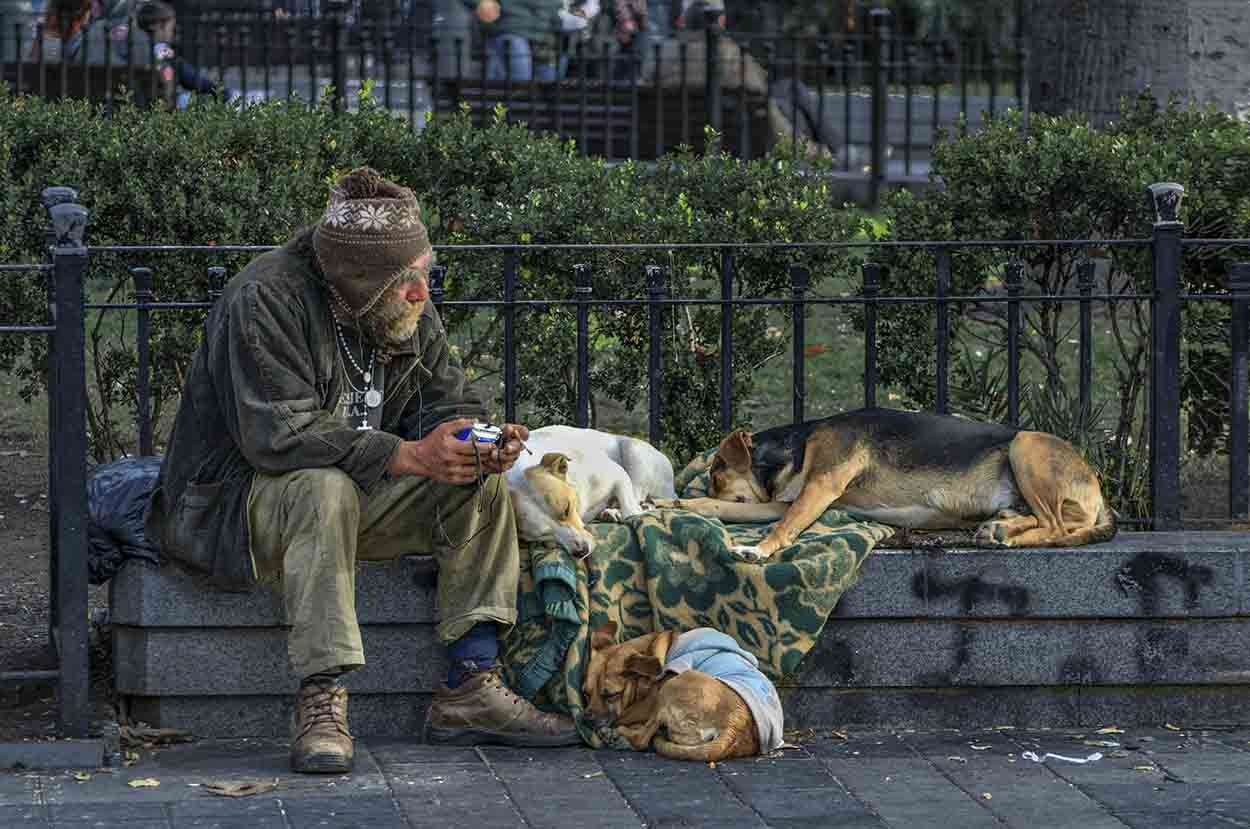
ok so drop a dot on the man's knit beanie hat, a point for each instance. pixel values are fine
(370, 233)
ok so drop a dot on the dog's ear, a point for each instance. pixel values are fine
(556, 463)
(643, 664)
(603, 636)
(735, 450)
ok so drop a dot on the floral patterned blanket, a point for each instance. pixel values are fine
(671, 569)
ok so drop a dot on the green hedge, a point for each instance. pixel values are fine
(215, 174)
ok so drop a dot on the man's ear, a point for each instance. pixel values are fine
(603, 636)
(643, 664)
(556, 463)
(735, 451)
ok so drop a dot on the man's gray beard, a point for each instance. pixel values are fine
(391, 323)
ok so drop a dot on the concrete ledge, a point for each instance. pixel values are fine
(1148, 628)
(1139, 575)
(62, 754)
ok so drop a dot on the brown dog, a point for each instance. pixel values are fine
(688, 715)
(911, 469)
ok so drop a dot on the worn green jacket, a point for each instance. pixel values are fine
(262, 395)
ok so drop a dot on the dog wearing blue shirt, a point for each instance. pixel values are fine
(695, 695)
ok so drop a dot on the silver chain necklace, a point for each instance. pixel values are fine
(373, 398)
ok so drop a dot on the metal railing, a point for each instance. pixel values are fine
(68, 393)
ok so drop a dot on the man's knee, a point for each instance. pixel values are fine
(329, 494)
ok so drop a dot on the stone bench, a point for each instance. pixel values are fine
(1149, 628)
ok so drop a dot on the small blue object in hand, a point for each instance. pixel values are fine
(481, 433)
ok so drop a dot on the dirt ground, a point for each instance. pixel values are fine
(29, 712)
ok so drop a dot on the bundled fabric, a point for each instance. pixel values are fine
(117, 496)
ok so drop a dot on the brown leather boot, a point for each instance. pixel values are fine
(320, 741)
(483, 710)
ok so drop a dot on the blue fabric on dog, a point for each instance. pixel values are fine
(717, 654)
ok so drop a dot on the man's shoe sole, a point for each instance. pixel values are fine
(322, 763)
(469, 737)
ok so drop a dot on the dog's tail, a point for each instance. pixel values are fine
(731, 742)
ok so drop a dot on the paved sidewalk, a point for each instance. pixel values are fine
(1153, 778)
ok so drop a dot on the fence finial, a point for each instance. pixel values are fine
(1167, 196)
(69, 224)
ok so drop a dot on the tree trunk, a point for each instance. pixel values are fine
(1085, 55)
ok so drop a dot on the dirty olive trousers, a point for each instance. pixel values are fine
(309, 527)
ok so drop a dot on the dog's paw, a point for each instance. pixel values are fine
(749, 553)
(992, 534)
(612, 515)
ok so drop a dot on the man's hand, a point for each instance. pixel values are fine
(487, 11)
(504, 453)
(440, 455)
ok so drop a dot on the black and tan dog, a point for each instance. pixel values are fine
(911, 469)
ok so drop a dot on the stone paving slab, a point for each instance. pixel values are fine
(897, 779)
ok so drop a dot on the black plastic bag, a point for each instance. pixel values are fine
(117, 497)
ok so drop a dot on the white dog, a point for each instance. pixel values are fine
(574, 476)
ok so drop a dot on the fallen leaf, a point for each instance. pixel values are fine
(592, 774)
(986, 796)
(711, 764)
(954, 758)
(978, 747)
(1117, 754)
(1171, 727)
(1111, 729)
(842, 735)
(1004, 728)
(141, 736)
(1101, 743)
(144, 783)
(82, 775)
(240, 788)
(1143, 768)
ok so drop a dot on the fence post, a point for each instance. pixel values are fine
(581, 291)
(1085, 339)
(655, 294)
(872, 289)
(1015, 283)
(799, 280)
(880, 101)
(437, 280)
(726, 339)
(143, 348)
(68, 390)
(509, 335)
(1165, 334)
(337, 12)
(711, 95)
(1239, 395)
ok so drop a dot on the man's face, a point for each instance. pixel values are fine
(394, 319)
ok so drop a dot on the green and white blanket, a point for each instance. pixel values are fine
(671, 569)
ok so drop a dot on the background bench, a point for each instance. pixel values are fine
(600, 117)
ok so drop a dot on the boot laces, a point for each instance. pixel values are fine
(321, 706)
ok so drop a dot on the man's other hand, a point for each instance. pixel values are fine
(441, 455)
(504, 453)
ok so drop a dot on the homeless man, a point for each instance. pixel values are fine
(317, 425)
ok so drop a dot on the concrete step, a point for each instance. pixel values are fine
(1148, 628)
(1136, 575)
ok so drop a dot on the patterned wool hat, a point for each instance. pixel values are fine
(369, 234)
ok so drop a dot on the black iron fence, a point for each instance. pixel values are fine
(874, 101)
(68, 455)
